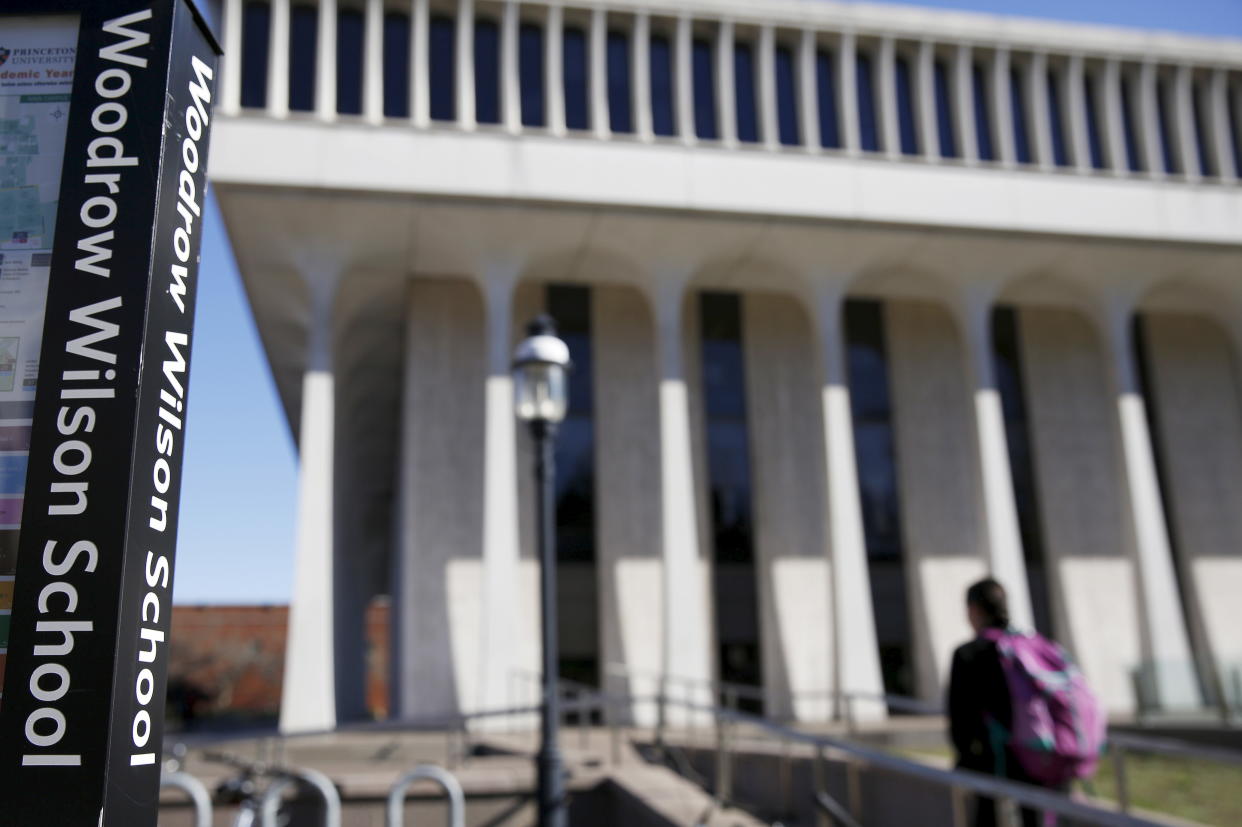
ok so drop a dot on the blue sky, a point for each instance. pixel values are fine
(239, 489)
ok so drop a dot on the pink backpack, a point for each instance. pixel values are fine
(1058, 725)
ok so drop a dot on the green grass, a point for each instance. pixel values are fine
(1201, 791)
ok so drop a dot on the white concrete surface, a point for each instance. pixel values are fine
(1080, 498)
(937, 480)
(1194, 381)
(439, 577)
(1167, 644)
(792, 561)
(629, 561)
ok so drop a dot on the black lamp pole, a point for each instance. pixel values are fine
(551, 788)
(540, 396)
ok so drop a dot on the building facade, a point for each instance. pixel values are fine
(864, 302)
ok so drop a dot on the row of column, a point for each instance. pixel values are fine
(1211, 95)
(480, 597)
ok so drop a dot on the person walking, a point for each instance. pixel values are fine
(993, 734)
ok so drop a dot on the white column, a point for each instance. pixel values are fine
(308, 700)
(725, 101)
(1073, 94)
(1038, 117)
(683, 81)
(1000, 512)
(420, 65)
(808, 99)
(964, 104)
(886, 76)
(500, 492)
(1002, 108)
(1112, 118)
(373, 63)
(465, 64)
(687, 636)
(1149, 121)
(1183, 114)
(554, 88)
(230, 98)
(1161, 612)
(769, 131)
(847, 93)
(599, 73)
(510, 81)
(640, 75)
(858, 655)
(1217, 107)
(278, 60)
(325, 62)
(925, 97)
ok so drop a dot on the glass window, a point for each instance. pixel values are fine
(570, 306)
(704, 90)
(1129, 122)
(1056, 122)
(530, 74)
(1017, 107)
(1165, 117)
(729, 483)
(1095, 143)
(906, 131)
(256, 22)
(944, 111)
(620, 110)
(349, 62)
(486, 71)
(396, 65)
(661, 58)
(442, 52)
(303, 43)
(577, 607)
(744, 92)
(786, 97)
(575, 69)
(871, 410)
(868, 135)
(826, 95)
(1007, 362)
(1235, 127)
(1207, 165)
(983, 114)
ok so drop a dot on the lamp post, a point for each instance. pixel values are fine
(540, 365)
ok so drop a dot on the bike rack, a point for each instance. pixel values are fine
(396, 796)
(194, 788)
(270, 804)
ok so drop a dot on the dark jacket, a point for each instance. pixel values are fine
(977, 691)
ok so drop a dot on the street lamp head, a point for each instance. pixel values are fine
(540, 365)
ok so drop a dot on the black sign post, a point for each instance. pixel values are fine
(81, 717)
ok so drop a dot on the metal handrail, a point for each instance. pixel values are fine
(958, 782)
(316, 780)
(195, 789)
(1170, 746)
(452, 788)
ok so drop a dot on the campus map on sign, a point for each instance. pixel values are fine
(37, 57)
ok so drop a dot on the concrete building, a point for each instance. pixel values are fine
(866, 302)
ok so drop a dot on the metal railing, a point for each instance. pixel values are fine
(452, 789)
(195, 789)
(739, 733)
(1119, 743)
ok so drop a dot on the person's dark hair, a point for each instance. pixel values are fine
(988, 596)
